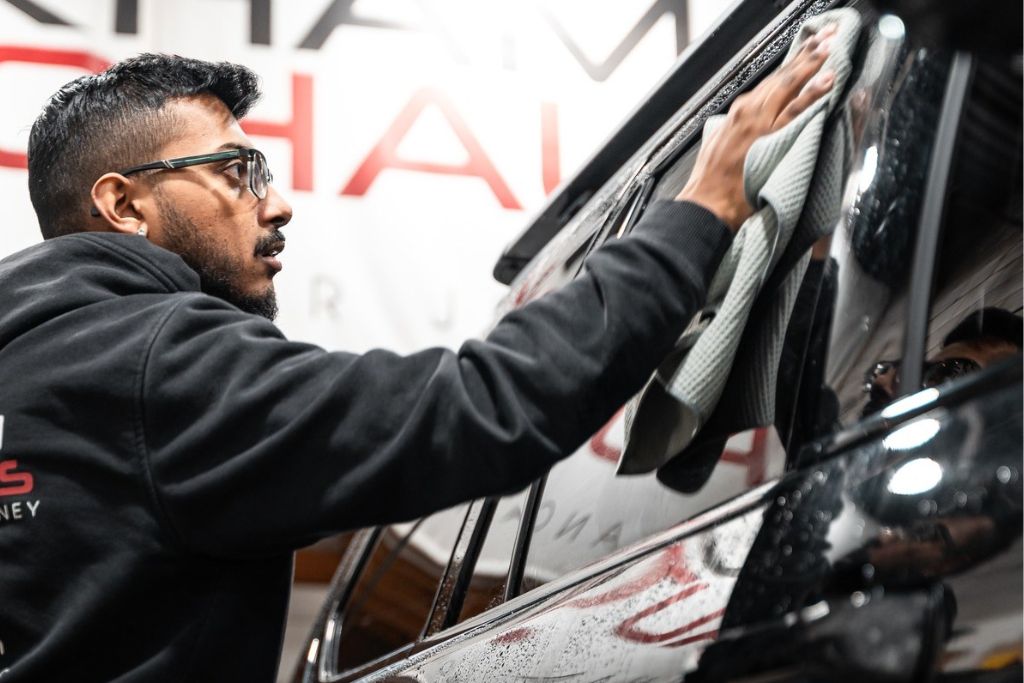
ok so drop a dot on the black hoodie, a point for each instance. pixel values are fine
(163, 453)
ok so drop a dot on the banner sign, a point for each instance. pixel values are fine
(414, 139)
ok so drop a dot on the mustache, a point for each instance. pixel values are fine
(269, 242)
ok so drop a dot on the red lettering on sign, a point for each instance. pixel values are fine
(14, 483)
(385, 153)
(551, 164)
(298, 131)
(754, 459)
(34, 55)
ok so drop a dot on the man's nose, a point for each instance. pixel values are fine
(274, 209)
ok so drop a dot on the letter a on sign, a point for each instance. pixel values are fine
(385, 154)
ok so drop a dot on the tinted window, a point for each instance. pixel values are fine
(391, 601)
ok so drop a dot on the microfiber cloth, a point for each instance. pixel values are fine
(794, 178)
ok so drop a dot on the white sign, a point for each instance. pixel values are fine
(414, 139)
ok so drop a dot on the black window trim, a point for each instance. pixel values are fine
(933, 207)
(455, 580)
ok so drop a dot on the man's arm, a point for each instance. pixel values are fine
(256, 444)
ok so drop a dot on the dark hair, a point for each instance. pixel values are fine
(115, 119)
(988, 323)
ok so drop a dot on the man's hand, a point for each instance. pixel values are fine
(716, 182)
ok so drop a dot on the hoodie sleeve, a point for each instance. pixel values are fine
(256, 444)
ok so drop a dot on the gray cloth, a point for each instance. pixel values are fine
(794, 177)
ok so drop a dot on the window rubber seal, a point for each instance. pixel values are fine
(930, 222)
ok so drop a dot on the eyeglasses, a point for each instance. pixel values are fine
(257, 173)
(933, 373)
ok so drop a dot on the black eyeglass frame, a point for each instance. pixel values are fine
(252, 156)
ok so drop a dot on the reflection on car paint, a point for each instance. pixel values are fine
(651, 618)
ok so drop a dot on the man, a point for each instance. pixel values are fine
(173, 448)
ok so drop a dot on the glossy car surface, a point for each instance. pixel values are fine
(871, 532)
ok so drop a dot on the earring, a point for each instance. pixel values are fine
(143, 230)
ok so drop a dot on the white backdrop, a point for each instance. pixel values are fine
(414, 138)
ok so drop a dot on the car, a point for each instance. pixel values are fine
(871, 529)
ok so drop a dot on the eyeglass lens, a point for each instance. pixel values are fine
(259, 175)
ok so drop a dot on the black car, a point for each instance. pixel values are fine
(872, 530)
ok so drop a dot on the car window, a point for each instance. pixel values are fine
(392, 598)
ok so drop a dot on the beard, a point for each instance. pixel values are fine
(218, 272)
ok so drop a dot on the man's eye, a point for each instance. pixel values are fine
(234, 170)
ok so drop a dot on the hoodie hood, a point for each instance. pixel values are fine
(72, 272)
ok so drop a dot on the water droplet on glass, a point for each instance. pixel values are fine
(781, 500)
(927, 507)
(787, 550)
(858, 599)
(868, 571)
(1003, 474)
(960, 498)
(820, 477)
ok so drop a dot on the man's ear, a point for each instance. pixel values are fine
(115, 206)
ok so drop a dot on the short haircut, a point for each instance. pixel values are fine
(116, 119)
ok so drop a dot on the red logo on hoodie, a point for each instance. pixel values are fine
(14, 483)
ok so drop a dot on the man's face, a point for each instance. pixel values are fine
(207, 215)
